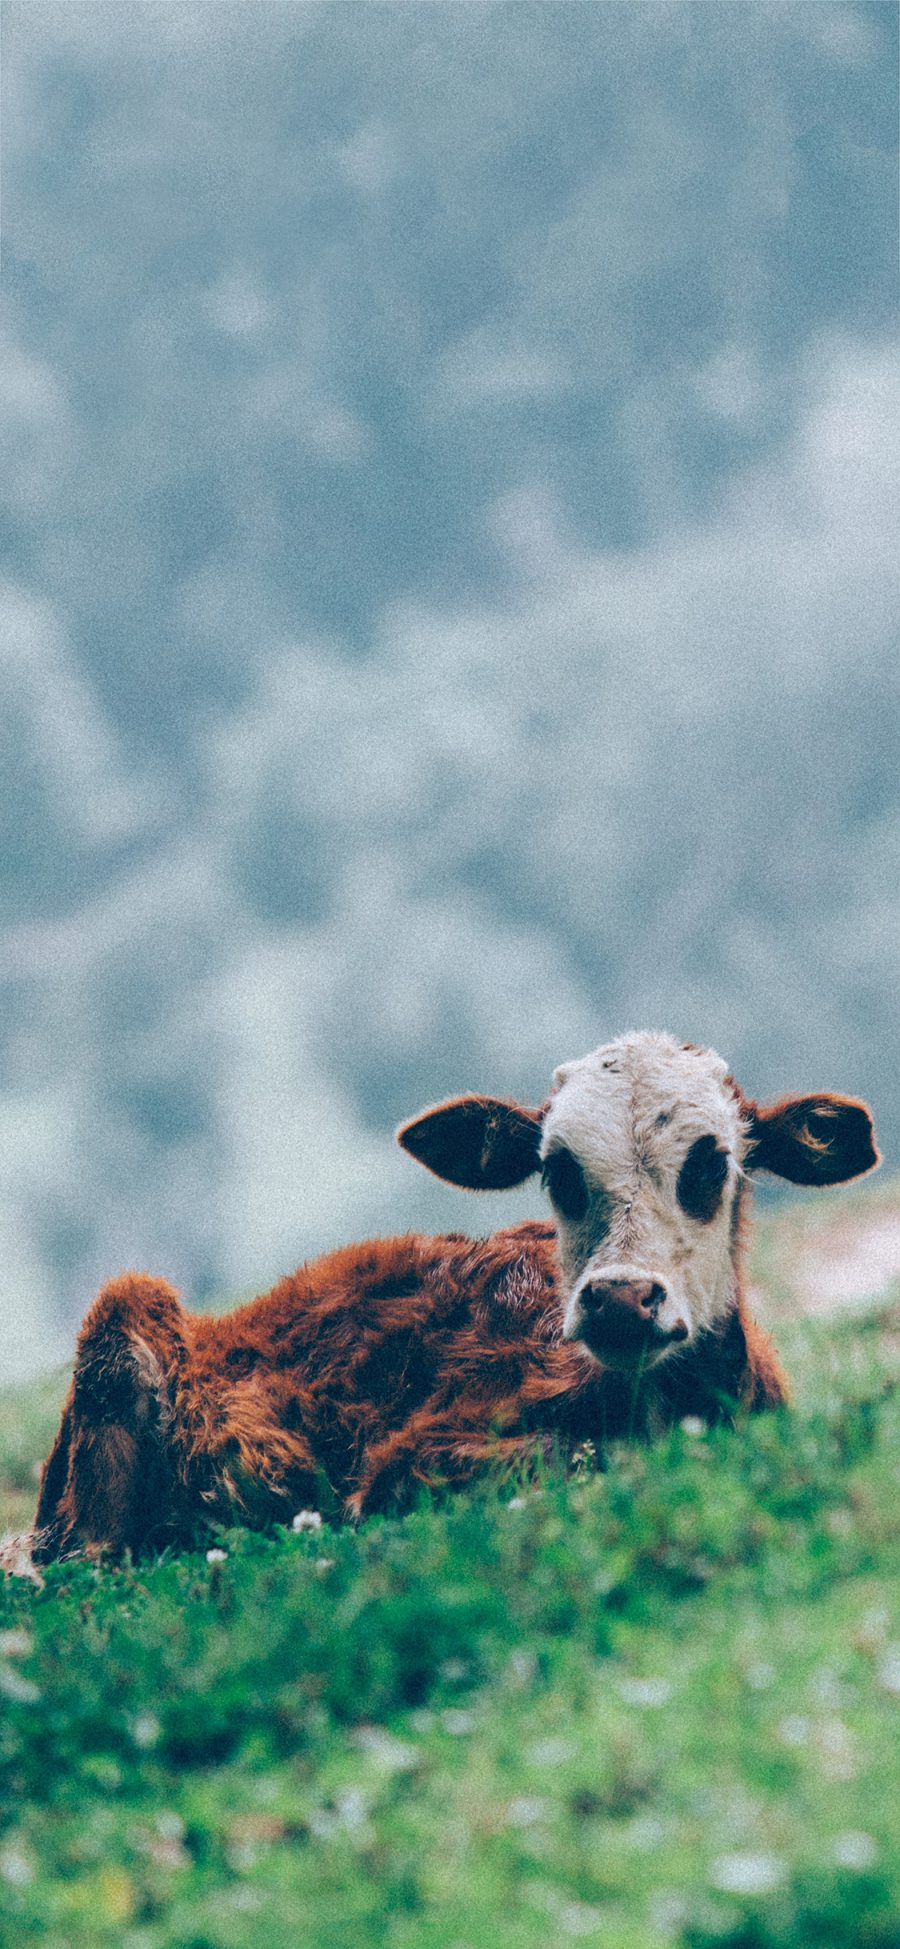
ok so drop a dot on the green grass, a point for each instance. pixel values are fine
(29, 1418)
(656, 1708)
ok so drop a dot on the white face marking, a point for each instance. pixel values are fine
(628, 1114)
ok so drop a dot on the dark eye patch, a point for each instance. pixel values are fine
(701, 1179)
(564, 1179)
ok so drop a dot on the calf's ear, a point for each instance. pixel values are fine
(477, 1141)
(821, 1139)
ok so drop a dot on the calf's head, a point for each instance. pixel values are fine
(644, 1147)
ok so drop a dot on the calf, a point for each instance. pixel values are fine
(414, 1360)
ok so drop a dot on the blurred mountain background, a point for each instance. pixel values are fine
(451, 576)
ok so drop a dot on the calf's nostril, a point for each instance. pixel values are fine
(641, 1296)
(637, 1294)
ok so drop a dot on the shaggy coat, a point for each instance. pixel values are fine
(409, 1361)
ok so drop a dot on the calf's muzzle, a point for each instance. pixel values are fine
(620, 1320)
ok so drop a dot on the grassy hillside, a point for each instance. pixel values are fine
(656, 1708)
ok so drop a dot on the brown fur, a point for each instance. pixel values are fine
(373, 1370)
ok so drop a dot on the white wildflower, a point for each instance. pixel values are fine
(693, 1425)
(668, 1911)
(889, 1670)
(873, 1628)
(22, 1691)
(307, 1519)
(645, 1831)
(747, 1874)
(761, 1675)
(579, 1918)
(350, 1803)
(395, 1755)
(826, 1688)
(146, 1729)
(16, 1865)
(526, 1810)
(15, 1644)
(244, 1898)
(855, 1851)
(645, 1691)
(571, 1916)
(168, 1854)
(457, 1721)
(835, 1744)
(216, 1556)
(794, 1730)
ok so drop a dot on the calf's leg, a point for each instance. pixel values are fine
(432, 1451)
(109, 1481)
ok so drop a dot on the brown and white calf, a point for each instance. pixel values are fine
(414, 1360)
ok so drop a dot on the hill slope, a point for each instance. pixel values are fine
(656, 1707)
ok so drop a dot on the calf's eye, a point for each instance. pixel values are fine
(701, 1179)
(564, 1179)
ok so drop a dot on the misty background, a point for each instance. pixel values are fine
(449, 616)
